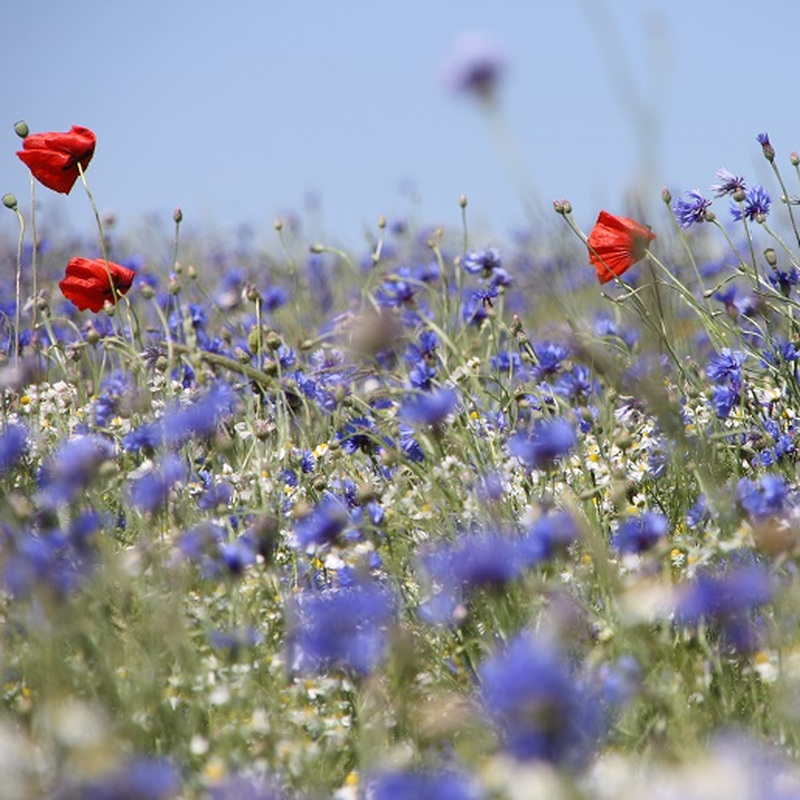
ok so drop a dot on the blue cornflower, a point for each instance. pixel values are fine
(784, 280)
(112, 390)
(13, 445)
(540, 708)
(482, 262)
(358, 434)
(239, 787)
(72, 467)
(756, 203)
(474, 65)
(274, 297)
(236, 640)
(504, 361)
(728, 597)
(150, 492)
(217, 495)
(549, 359)
(427, 785)
(691, 210)
(549, 536)
(429, 408)
(726, 367)
(147, 437)
(577, 385)
(140, 778)
(730, 184)
(474, 309)
(200, 419)
(397, 290)
(725, 398)
(639, 533)
(766, 146)
(549, 440)
(343, 627)
(200, 545)
(421, 375)
(324, 524)
(765, 498)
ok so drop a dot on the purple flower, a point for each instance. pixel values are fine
(637, 534)
(427, 785)
(549, 358)
(482, 262)
(766, 146)
(726, 367)
(756, 203)
(13, 445)
(324, 524)
(549, 536)
(343, 627)
(730, 184)
(691, 210)
(549, 440)
(728, 598)
(725, 398)
(141, 778)
(429, 408)
(73, 466)
(539, 707)
(474, 65)
(766, 498)
(150, 492)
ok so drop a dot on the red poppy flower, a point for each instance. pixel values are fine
(53, 158)
(87, 284)
(615, 244)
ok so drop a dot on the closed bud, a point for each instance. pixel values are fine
(177, 216)
(9, 201)
(794, 158)
(316, 248)
(191, 271)
(21, 129)
(462, 201)
(666, 196)
(770, 257)
(274, 341)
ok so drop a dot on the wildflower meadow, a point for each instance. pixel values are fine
(443, 517)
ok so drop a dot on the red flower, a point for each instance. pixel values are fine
(53, 158)
(615, 244)
(86, 283)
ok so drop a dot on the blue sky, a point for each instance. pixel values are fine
(239, 112)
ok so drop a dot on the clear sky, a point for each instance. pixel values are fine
(242, 111)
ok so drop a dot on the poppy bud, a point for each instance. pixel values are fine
(9, 201)
(21, 129)
(177, 216)
(274, 342)
(462, 201)
(770, 257)
(316, 248)
(794, 158)
(666, 196)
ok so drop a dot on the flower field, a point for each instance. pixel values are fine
(443, 517)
